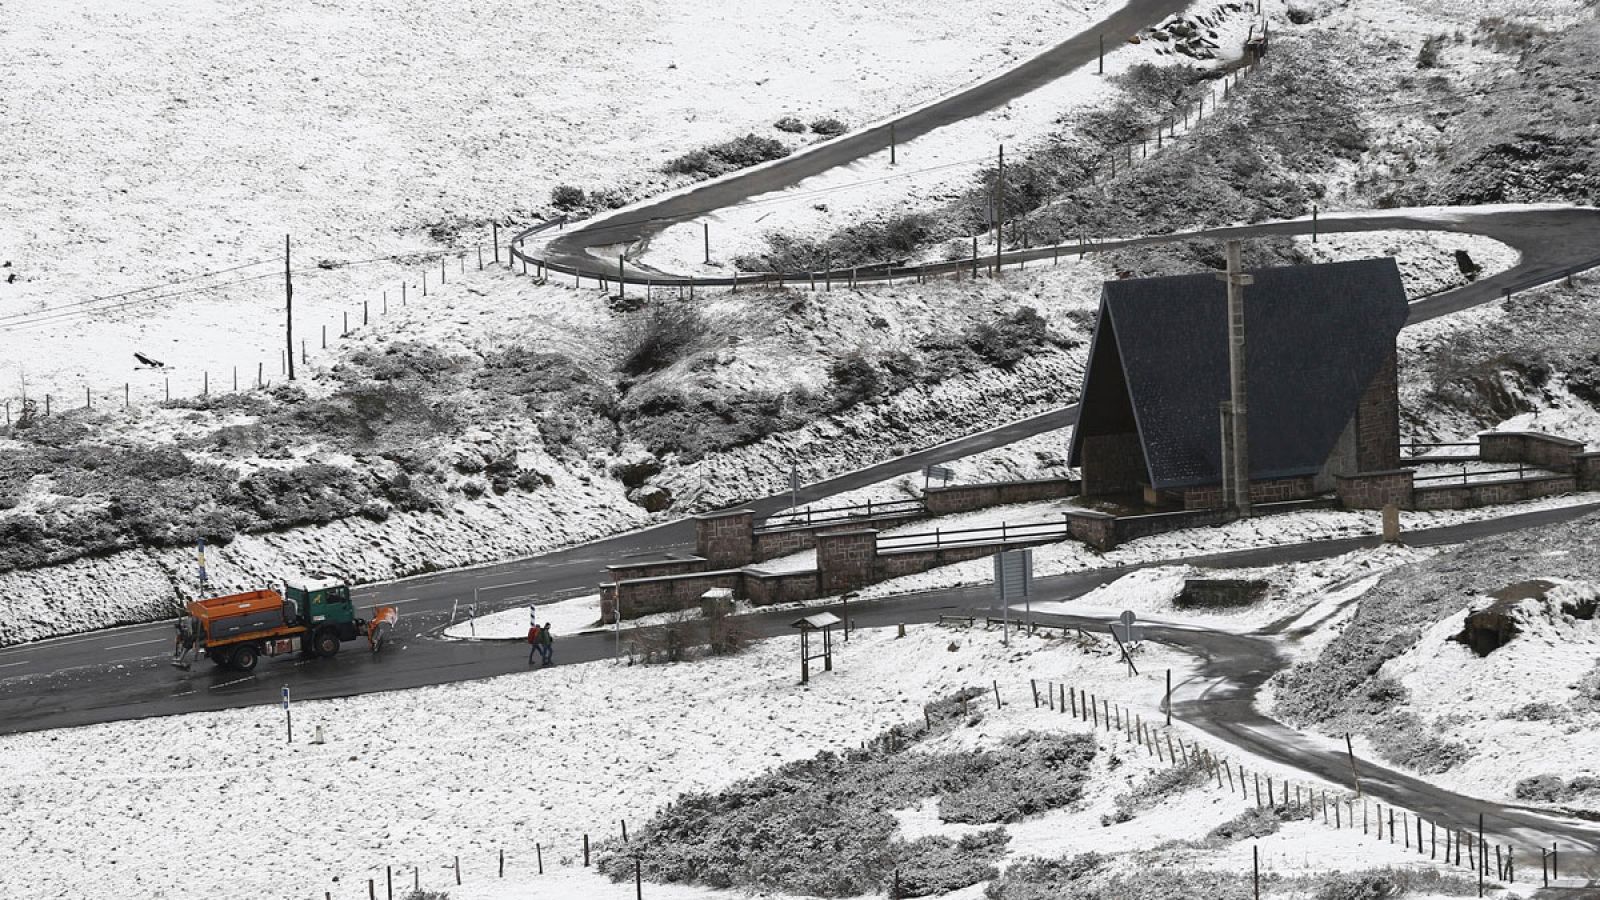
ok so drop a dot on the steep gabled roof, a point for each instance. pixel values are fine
(1315, 337)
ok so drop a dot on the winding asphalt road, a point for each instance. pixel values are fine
(120, 673)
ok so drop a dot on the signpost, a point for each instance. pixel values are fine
(1126, 634)
(794, 488)
(943, 473)
(1013, 580)
(288, 723)
(200, 551)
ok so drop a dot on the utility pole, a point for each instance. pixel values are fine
(288, 305)
(1000, 210)
(1240, 461)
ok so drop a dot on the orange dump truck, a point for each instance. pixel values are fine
(314, 617)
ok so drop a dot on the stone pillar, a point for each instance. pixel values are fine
(1587, 468)
(725, 540)
(846, 559)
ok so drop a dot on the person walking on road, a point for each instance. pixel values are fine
(534, 645)
(546, 644)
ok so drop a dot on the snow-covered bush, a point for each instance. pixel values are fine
(936, 865)
(791, 124)
(719, 159)
(1045, 879)
(659, 337)
(827, 126)
(818, 826)
(1156, 789)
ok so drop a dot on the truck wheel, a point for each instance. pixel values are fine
(244, 658)
(327, 642)
(220, 660)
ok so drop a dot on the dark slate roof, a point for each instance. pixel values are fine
(1315, 336)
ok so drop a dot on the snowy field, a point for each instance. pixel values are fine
(149, 143)
(417, 778)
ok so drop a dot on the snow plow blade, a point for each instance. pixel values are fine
(382, 624)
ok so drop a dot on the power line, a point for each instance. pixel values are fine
(92, 300)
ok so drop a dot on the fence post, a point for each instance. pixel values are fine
(586, 851)
(458, 871)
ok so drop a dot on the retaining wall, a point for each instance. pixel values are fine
(967, 497)
(1542, 450)
(1375, 490)
(1487, 493)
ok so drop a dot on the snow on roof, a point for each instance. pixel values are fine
(317, 582)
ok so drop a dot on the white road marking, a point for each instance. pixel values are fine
(17, 663)
(136, 644)
(233, 682)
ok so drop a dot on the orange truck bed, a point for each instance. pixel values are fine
(258, 614)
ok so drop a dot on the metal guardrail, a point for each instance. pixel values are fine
(868, 510)
(1521, 472)
(1004, 533)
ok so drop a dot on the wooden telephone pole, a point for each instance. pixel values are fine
(1238, 459)
(1000, 210)
(288, 306)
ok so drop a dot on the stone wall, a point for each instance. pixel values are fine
(1375, 490)
(1130, 528)
(782, 542)
(723, 540)
(1488, 493)
(655, 568)
(1097, 529)
(1542, 450)
(1277, 490)
(1112, 464)
(966, 497)
(1586, 466)
(669, 593)
(763, 589)
(846, 560)
(1377, 421)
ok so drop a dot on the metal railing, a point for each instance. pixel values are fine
(1522, 471)
(1004, 533)
(869, 510)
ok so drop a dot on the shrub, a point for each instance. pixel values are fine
(567, 197)
(1155, 789)
(818, 826)
(739, 153)
(1428, 55)
(1401, 738)
(658, 338)
(1299, 15)
(791, 124)
(1045, 879)
(932, 866)
(854, 380)
(828, 126)
(1542, 789)
(1507, 35)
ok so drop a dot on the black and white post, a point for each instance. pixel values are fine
(288, 722)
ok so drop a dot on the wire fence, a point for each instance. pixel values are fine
(1437, 840)
(160, 383)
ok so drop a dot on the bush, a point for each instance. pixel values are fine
(1045, 879)
(854, 380)
(739, 153)
(818, 827)
(932, 866)
(1299, 15)
(567, 197)
(1428, 56)
(791, 124)
(1156, 789)
(1542, 789)
(828, 126)
(658, 338)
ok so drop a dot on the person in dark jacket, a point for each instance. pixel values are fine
(546, 644)
(534, 645)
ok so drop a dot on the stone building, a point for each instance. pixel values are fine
(1322, 394)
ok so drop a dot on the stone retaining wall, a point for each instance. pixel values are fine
(1488, 493)
(1375, 490)
(1542, 450)
(967, 497)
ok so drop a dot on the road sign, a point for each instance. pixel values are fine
(288, 723)
(943, 473)
(285, 696)
(1125, 631)
(794, 480)
(1013, 581)
(1013, 575)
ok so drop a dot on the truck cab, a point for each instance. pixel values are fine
(323, 604)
